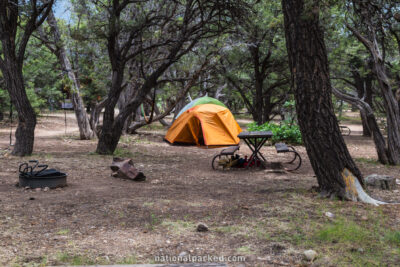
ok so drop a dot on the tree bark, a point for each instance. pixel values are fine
(25, 133)
(365, 11)
(369, 118)
(85, 131)
(308, 62)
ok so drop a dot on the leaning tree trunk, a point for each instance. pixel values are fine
(82, 117)
(25, 133)
(365, 10)
(336, 172)
(369, 117)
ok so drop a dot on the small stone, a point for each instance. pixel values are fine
(168, 242)
(329, 214)
(360, 250)
(201, 227)
(38, 189)
(46, 189)
(27, 188)
(364, 218)
(395, 191)
(310, 254)
(182, 254)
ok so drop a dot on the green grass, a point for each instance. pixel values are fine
(393, 237)
(367, 161)
(152, 127)
(244, 250)
(178, 227)
(128, 260)
(63, 232)
(343, 231)
(67, 258)
(123, 153)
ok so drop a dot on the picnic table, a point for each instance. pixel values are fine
(255, 141)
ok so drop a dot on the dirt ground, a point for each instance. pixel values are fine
(270, 218)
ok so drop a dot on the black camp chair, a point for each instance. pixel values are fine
(35, 176)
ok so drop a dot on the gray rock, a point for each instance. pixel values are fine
(383, 182)
(46, 189)
(202, 227)
(182, 254)
(310, 254)
(329, 214)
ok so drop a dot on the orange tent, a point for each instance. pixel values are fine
(207, 124)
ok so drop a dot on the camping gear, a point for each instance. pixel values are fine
(201, 101)
(255, 141)
(123, 168)
(206, 124)
(39, 176)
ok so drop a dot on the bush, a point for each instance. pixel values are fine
(286, 132)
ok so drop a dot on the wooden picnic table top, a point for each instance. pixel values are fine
(262, 134)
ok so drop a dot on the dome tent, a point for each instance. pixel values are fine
(201, 101)
(205, 124)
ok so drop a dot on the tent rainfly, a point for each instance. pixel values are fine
(205, 124)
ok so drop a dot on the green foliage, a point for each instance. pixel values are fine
(286, 132)
(343, 231)
(393, 237)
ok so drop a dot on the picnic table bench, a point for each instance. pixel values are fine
(255, 140)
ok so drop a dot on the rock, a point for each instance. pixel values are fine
(201, 227)
(182, 254)
(364, 218)
(46, 189)
(383, 182)
(38, 189)
(360, 250)
(310, 254)
(329, 214)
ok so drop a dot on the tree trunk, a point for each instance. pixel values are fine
(85, 132)
(336, 172)
(369, 117)
(365, 11)
(112, 129)
(25, 133)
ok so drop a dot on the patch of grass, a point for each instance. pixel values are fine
(244, 250)
(229, 229)
(349, 119)
(153, 126)
(154, 221)
(148, 204)
(343, 231)
(393, 237)
(128, 260)
(178, 226)
(123, 153)
(127, 139)
(63, 232)
(368, 161)
(67, 258)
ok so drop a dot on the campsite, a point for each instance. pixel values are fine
(270, 218)
(199, 133)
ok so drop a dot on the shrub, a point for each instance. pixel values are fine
(286, 132)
